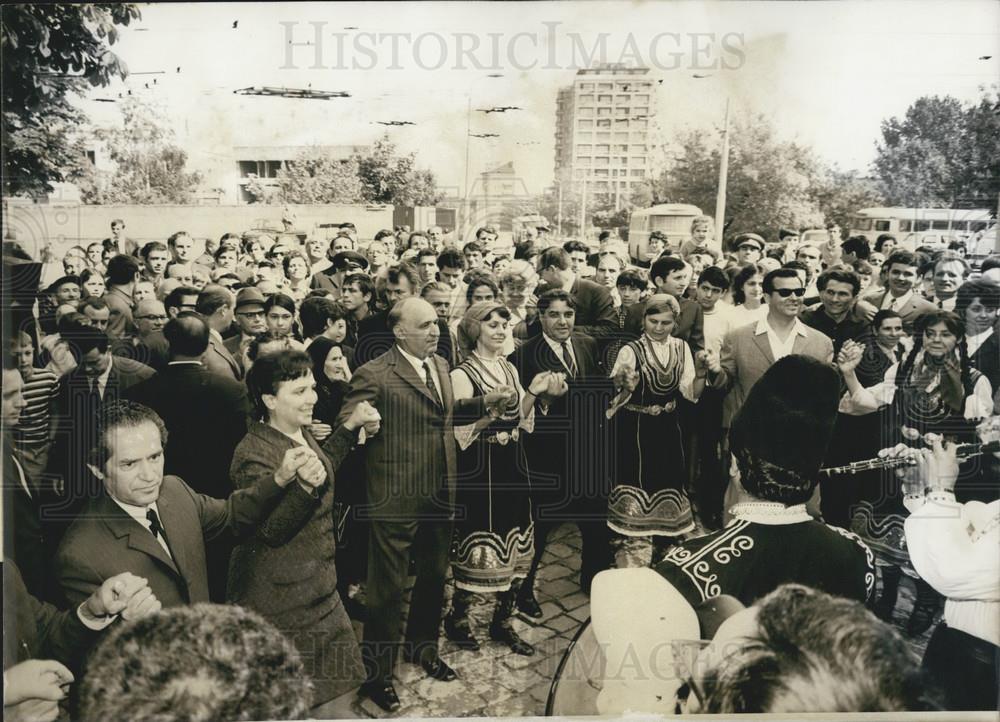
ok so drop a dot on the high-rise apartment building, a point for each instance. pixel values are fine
(602, 129)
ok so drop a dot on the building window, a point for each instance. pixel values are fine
(638, 160)
(622, 148)
(622, 112)
(586, 99)
(586, 112)
(603, 149)
(586, 86)
(601, 160)
(601, 173)
(637, 149)
(642, 98)
(601, 112)
(585, 149)
(585, 124)
(637, 172)
(603, 123)
(604, 99)
(605, 136)
(605, 86)
(642, 110)
(621, 137)
(621, 99)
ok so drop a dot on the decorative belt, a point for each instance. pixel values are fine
(654, 410)
(504, 437)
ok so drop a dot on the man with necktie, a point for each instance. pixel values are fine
(152, 525)
(411, 469)
(569, 450)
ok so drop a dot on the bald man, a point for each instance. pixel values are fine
(411, 469)
(148, 345)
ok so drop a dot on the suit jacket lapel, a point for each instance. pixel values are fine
(409, 374)
(445, 386)
(763, 344)
(175, 541)
(137, 537)
(224, 353)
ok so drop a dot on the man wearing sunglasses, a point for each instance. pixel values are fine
(749, 351)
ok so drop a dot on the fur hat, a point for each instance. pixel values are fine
(782, 432)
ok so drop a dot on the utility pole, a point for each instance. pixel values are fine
(720, 199)
(583, 210)
(468, 130)
(559, 212)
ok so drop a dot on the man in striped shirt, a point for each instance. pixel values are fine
(33, 433)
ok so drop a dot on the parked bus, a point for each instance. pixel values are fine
(671, 219)
(915, 227)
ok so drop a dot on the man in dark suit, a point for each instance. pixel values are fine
(569, 449)
(375, 335)
(671, 275)
(206, 417)
(151, 525)
(411, 469)
(24, 538)
(216, 304)
(99, 379)
(123, 272)
(595, 309)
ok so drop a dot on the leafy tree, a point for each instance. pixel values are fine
(149, 168)
(942, 153)
(313, 177)
(50, 53)
(838, 194)
(387, 177)
(769, 180)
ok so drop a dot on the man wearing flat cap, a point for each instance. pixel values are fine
(749, 248)
(332, 279)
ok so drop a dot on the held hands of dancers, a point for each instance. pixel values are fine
(849, 356)
(366, 415)
(710, 360)
(33, 689)
(626, 379)
(124, 594)
(933, 469)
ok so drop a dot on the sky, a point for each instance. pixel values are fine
(826, 74)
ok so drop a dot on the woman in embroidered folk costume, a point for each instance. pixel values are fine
(651, 374)
(494, 537)
(934, 390)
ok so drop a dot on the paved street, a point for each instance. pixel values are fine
(496, 682)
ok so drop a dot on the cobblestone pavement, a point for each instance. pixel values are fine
(496, 682)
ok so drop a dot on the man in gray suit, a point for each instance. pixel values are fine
(749, 351)
(216, 303)
(411, 469)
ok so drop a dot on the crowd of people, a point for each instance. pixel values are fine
(307, 428)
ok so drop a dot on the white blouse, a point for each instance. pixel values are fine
(661, 349)
(462, 388)
(868, 400)
(955, 548)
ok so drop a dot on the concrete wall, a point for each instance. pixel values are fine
(66, 225)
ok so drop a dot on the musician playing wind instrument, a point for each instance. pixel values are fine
(779, 438)
(934, 391)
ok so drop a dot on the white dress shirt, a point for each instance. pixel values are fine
(419, 367)
(139, 514)
(557, 347)
(102, 380)
(954, 547)
(893, 303)
(779, 348)
(973, 342)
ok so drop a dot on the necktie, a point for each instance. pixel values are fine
(429, 378)
(154, 525)
(95, 394)
(568, 359)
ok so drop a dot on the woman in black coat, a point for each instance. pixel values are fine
(286, 572)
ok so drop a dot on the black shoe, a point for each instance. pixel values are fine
(437, 669)
(500, 632)
(381, 694)
(527, 603)
(434, 666)
(460, 633)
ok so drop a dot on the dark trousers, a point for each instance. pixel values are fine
(709, 483)
(965, 667)
(392, 544)
(591, 517)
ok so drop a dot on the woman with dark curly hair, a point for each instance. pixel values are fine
(934, 390)
(286, 571)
